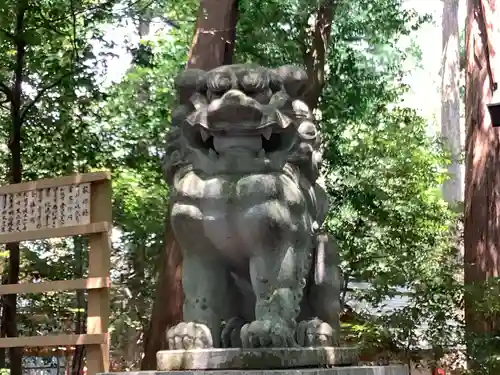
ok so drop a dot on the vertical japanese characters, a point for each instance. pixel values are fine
(53, 207)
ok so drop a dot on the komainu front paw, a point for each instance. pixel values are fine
(315, 332)
(267, 334)
(189, 336)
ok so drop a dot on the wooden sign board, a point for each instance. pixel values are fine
(62, 207)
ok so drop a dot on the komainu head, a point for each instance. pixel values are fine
(242, 119)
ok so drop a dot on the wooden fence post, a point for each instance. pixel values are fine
(62, 207)
(99, 266)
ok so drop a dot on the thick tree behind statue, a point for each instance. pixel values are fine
(215, 26)
(482, 195)
(212, 46)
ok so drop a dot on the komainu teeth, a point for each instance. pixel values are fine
(204, 135)
(267, 132)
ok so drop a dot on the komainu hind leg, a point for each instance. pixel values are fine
(319, 319)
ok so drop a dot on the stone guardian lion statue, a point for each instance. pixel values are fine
(242, 161)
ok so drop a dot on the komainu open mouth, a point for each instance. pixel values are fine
(263, 142)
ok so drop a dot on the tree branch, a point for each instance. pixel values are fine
(43, 90)
(7, 91)
(3, 103)
(8, 34)
(315, 56)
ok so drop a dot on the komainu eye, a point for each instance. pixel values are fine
(253, 81)
(294, 80)
(219, 82)
(307, 130)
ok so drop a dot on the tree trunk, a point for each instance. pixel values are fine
(212, 46)
(316, 53)
(167, 308)
(10, 307)
(77, 361)
(19, 109)
(215, 34)
(482, 187)
(2, 322)
(450, 100)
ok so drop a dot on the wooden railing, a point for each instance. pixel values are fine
(63, 207)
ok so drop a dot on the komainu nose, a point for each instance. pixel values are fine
(234, 97)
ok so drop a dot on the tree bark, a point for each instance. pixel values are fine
(16, 169)
(79, 353)
(315, 54)
(167, 308)
(482, 187)
(450, 101)
(215, 34)
(18, 111)
(212, 46)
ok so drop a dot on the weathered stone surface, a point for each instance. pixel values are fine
(258, 358)
(242, 160)
(354, 370)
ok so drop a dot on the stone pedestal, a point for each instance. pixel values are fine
(255, 359)
(351, 370)
(266, 361)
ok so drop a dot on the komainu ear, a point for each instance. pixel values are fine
(294, 80)
(189, 82)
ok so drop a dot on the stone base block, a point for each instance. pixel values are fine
(255, 359)
(350, 370)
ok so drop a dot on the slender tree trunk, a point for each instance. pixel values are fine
(10, 307)
(167, 308)
(212, 46)
(19, 109)
(78, 354)
(3, 317)
(482, 187)
(450, 100)
(316, 52)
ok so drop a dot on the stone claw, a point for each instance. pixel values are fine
(315, 332)
(189, 336)
(267, 334)
(231, 334)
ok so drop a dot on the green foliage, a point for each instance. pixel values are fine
(136, 118)
(484, 339)
(382, 170)
(47, 44)
(60, 86)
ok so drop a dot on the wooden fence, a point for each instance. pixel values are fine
(62, 207)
